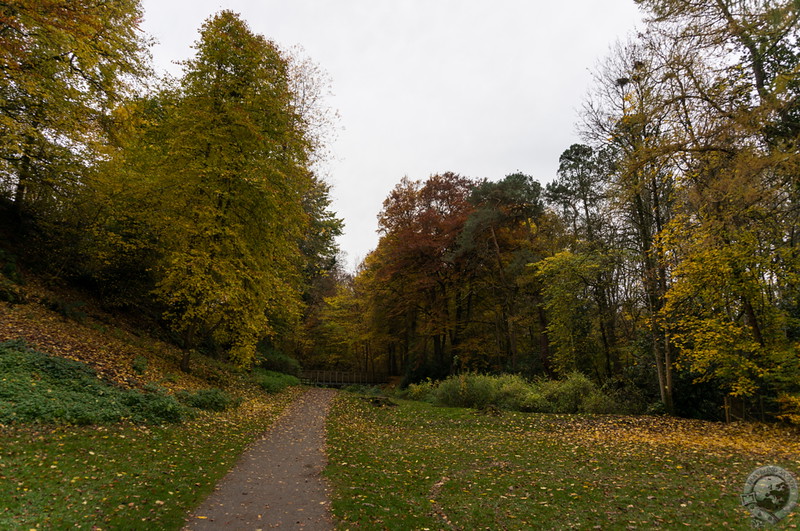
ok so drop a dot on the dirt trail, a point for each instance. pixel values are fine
(278, 481)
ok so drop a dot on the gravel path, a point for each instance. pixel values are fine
(278, 482)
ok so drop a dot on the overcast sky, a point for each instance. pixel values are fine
(482, 88)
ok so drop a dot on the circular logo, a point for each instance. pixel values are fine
(770, 493)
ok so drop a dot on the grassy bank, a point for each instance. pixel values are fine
(418, 466)
(99, 429)
(123, 476)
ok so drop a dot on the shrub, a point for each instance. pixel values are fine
(467, 390)
(568, 395)
(272, 360)
(790, 408)
(139, 364)
(36, 387)
(274, 382)
(513, 393)
(598, 402)
(535, 402)
(421, 392)
(209, 399)
(154, 407)
(574, 394)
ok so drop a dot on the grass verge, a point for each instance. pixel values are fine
(417, 466)
(124, 476)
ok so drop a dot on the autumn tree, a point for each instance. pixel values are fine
(699, 113)
(218, 166)
(496, 245)
(732, 300)
(420, 223)
(65, 64)
(591, 264)
(626, 116)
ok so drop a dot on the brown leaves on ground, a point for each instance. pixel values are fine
(104, 342)
(711, 438)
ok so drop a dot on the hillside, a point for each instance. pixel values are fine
(145, 472)
(65, 323)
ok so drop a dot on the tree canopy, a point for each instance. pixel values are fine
(661, 260)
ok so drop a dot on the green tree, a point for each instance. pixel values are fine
(575, 321)
(580, 193)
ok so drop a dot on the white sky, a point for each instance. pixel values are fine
(482, 88)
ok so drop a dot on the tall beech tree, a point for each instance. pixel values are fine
(732, 302)
(229, 194)
(700, 114)
(626, 116)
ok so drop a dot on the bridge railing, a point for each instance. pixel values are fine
(342, 378)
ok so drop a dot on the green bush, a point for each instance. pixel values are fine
(274, 382)
(514, 393)
(36, 387)
(467, 390)
(535, 402)
(155, 407)
(421, 392)
(139, 364)
(568, 395)
(574, 394)
(272, 360)
(209, 399)
(599, 403)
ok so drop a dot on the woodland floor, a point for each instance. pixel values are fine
(278, 481)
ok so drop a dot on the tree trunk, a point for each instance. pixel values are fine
(544, 344)
(185, 359)
(20, 194)
(188, 348)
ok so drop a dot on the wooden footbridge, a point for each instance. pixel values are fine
(342, 378)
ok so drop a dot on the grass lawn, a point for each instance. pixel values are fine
(124, 476)
(417, 466)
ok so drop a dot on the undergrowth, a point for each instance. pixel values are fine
(37, 387)
(212, 399)
(574, 394)
(273, 382)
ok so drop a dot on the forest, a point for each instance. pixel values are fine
(660, 262)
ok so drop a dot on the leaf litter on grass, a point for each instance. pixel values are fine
(124, 476)
(423, 466)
